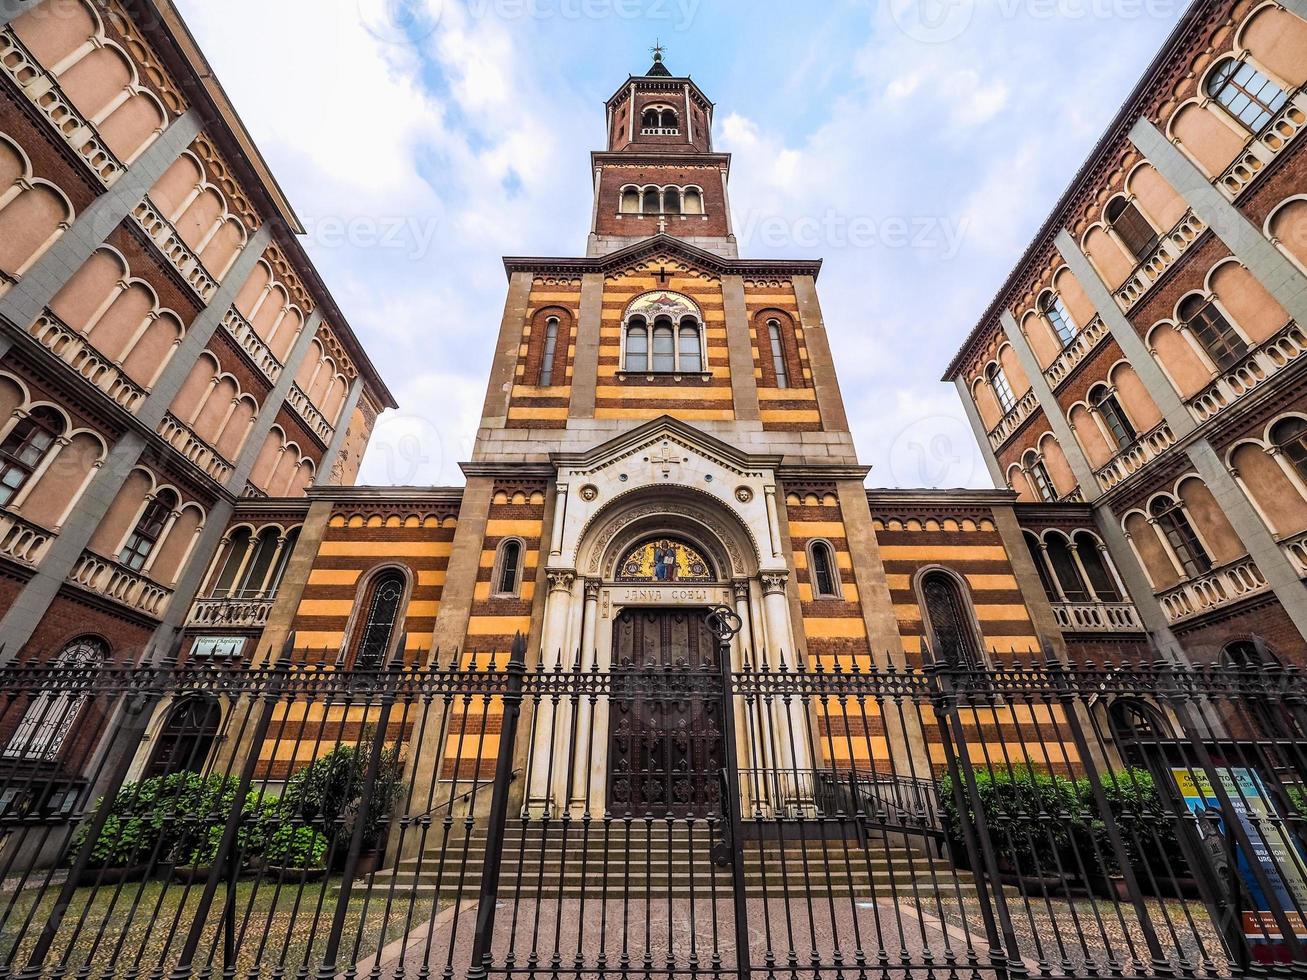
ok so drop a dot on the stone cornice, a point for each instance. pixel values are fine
(371, 494)
(665, 243)
(954, 497)
(724, 452)
(819, 471)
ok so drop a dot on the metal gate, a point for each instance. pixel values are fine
(455, 817)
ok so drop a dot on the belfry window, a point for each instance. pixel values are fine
(382, 612)
(693, 201)
(24, 448)
(1245, 93)
(1131, 227)
(671, 200)
(652, 201)
(952, 631)
(1222, 342)
(1064, 325)
(630, 200)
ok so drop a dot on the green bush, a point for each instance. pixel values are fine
(1030, 816)
(1145, 823)
(296, 847)
(328, 794)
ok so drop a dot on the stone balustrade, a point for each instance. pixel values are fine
(316, 421)
(1258, 365)
(1219, 587)
(182, 438)
(1081, 346)
(1131, 459)
(1168, 249)
(116, 581)
(1013, 420)
(188, 265)
(235, 612)
(22, 540)
(1263, 148)
(1098, 617)
(249, 341)
(76, 351)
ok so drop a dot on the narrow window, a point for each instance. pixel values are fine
(1174, 524)
(1040, 480)
(664, 346)
(1290, 437)
(256, 571)
(145, 536)
(669, 119)
(824, 581)
(637, 346)
(1002, 389)
(691, 357)
(778, 354)
(948, 619)
(379, 622)
(1217, 335)
(652, 204)
(1041, 566)
(237, 550)
(630, 200)
(24, 448)
(693, 201)
(1246, 93)
(292, 538)
(551, 346)
(1064, 325)
(1091, 557)
(510, 568)
(1132, 227)
(48, 719)
(1064, 567)
(672, 200)
(1113, 416)
(650, 119)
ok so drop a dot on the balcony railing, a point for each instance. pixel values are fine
(233, 612)
(75, 351)
(1219, 587)
(1131, 459)
(1012, 421)
(1261, 363)
(185, 441)
(161, 231)
(1169, 247)
(249, 341)
(22, 540)
(316, 421)
(1264, 147)
(1080, 347)
(1295, 548)
(44, 92)
(659, 131)
(116, 581)
(1098, 617)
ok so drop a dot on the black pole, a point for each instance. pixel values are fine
(485, 923)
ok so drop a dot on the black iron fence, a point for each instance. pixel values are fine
(678, 818)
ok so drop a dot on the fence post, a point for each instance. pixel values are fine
(1067, 696)
(1005, 959)
(485, 923)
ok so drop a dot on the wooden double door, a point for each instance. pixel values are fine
(666, 743)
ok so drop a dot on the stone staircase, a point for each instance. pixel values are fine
(639, 859)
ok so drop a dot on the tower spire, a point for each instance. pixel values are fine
(658, 68)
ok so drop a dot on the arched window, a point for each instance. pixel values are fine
(652, 201)
(1246, 93)
(1101, 580)
(650, 119)
(954, 637)
(551, 349)
(824, 571)
(637, 345)
(672, 200)
(1174, 524)
(257, 570)
(693, 201)
(630, 200)
(1064, 324)
(778, 353)
(24, 448)
(186, 738)
(690, 353)
(1040, 481)
(1041, 566)
(381, 612)
(998, 383)
(237, 552)
(1289, 436)
(48, 719)
(149, 528)
(664, 345)
(1104, 402)
(1131, 227)
(1132, 720)
(668, 119)
(287, 548)
(1222, 342)
(1252, 653)
(508, 568)
(1064, 567)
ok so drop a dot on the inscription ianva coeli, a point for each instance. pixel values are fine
(660, 594)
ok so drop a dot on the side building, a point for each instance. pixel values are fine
(1144, 359)
(167, 350)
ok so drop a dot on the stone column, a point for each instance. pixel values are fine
(739, 345)
(341, 429)
(548, 762)
(789, 714)
(982, 437)
(587, 771)
(585, 365)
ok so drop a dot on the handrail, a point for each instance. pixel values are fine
(466, 795)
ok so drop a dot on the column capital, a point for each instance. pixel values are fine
(774, 582)
(560, 580)
(592, 587)
(740, 589)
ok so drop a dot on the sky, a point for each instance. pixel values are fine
(914, 145)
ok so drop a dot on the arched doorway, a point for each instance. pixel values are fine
(186, 738)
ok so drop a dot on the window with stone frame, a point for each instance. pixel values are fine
(952, 632)
(1170, 518)
(25, 447)
(149, 529)
(1289, 436)
(1104, 401)
(547, 347)
(1131, 227)
(1223, 343)
(380, 615)
(1245, 93)
(778, 350)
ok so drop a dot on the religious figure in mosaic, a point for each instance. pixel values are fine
(665, 560)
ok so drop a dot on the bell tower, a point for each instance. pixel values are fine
(659, 173)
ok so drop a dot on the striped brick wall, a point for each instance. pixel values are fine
(793, 408)
(968, 544)
(638, 397)
(356, 541)
(530, 405)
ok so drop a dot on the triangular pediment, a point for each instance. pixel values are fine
(663, 435)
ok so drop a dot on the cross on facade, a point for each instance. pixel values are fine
(663, 274)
